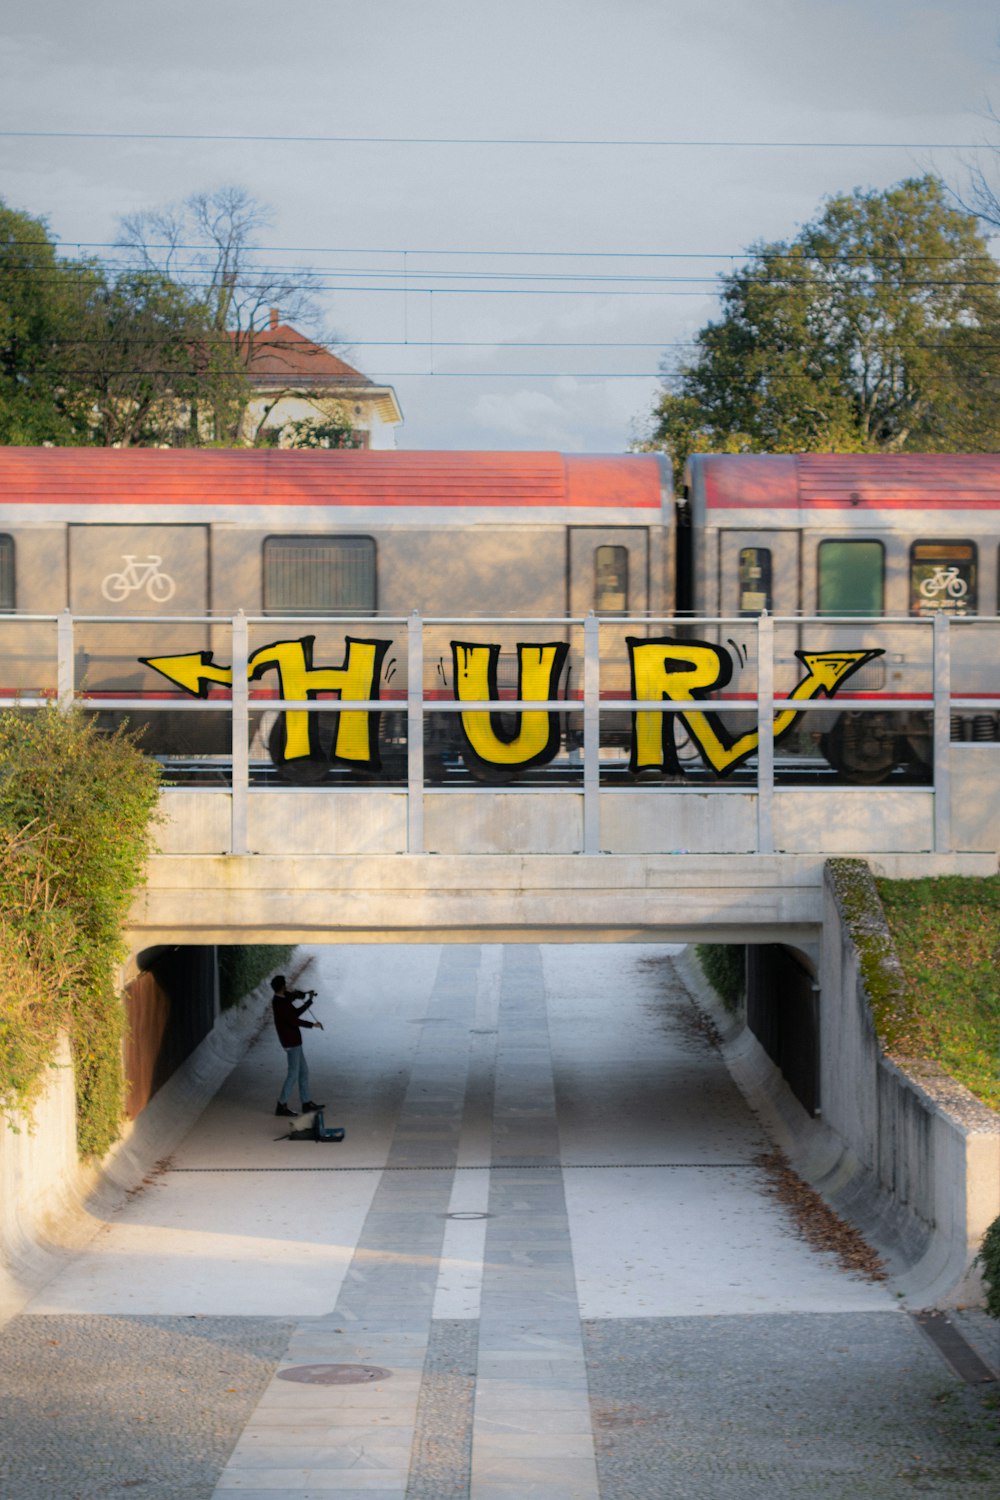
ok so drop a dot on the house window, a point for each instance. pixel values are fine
(319, 575)
(851, 578)
(943, 578)
(6, 573)
(755, 580)
(610, 580)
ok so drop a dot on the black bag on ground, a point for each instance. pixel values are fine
(317, 1130)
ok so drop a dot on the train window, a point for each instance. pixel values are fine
(851, 578)
(943, 578)
(319, 575)
(610, 580)
(6, 572)
(755, 580)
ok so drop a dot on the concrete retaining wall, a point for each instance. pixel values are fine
(900, 1149)
(51, 1203)
(911, 1134)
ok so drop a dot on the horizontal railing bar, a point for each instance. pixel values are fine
(916, 622)
(506, 705)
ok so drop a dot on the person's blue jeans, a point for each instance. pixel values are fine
(298, 1073)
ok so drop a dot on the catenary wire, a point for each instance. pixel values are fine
(676, 144)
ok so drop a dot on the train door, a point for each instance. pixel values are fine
(759, 570)
(609, 573)
(608, 570)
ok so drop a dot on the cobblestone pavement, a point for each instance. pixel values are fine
(546, 1229)
(851, 1406)
(113, 1408)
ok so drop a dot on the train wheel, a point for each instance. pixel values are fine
(862, 747)
(486, 771)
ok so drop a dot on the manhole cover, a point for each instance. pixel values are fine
(334, 1374)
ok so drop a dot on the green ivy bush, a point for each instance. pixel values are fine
(724, 966)
(77, 808)
(242, 966)
(989, 1259)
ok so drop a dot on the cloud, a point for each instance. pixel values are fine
(569, 415)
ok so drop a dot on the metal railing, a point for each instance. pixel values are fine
(934, 697)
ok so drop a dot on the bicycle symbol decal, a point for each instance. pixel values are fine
(160, 587)
(944, 580)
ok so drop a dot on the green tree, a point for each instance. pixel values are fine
(144, 352)
(876, 329)
(38, 400)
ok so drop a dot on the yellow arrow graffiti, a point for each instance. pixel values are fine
(193, 672)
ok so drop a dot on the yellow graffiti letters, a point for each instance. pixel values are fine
(356, 738)
(357, 678)
(681, 671)
(536, 738)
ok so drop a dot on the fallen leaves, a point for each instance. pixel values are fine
(816, 1222)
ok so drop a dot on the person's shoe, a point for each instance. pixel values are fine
(282, 1109)
(308, 1104)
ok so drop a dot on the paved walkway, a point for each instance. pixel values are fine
(545, 1228)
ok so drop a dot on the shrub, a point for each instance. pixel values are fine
(76, 814)
(242, 966)
(989, 1259)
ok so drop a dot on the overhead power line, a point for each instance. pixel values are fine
(861, 258)
(669, 143)
(397, 283)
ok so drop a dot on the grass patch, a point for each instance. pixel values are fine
(947, 936)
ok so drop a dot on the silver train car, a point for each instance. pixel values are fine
(179, 538)
(894, 538)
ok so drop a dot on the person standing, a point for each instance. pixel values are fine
(288, 1022)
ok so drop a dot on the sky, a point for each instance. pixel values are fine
(540, 209)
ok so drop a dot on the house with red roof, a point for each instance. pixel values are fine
(296, 381)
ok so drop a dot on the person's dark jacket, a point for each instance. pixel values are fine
(288, 1017)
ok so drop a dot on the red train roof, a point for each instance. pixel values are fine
(880, 481)
(157, 476)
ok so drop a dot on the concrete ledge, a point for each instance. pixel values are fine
(51, 1203)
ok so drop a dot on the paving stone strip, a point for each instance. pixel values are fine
(358, 1439)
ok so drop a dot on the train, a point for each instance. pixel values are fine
(190, 537)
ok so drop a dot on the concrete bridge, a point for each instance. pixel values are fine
(512, 898)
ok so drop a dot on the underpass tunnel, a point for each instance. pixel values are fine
(173, 999)
(497, 1097)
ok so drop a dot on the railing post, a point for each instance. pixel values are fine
(591, 735)
(241, 735)
(765, 735)
(942, 733)
(415, 734)
(64, 661)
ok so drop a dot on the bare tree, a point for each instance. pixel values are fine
(209, 244)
